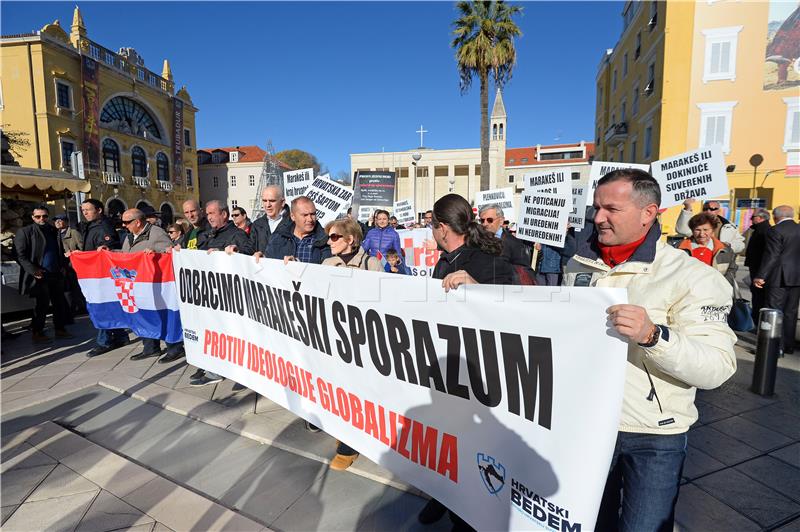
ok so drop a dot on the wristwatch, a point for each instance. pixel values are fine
(659, 331)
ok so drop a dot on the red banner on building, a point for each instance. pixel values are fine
(177, 139)
(90, 73)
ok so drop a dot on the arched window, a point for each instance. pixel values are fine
(139, 160)
(110, 156)
(129, 116)
(494, 131)
(162, 167)
(501, 132)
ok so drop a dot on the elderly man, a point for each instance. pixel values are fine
(724, 231)
(261, 231)
(144, 236)
(756, 242)
(780, 271)
(516, 251)
(70, 241)
(303, 240)
(195, 216)
(678, 340)
(42, 263)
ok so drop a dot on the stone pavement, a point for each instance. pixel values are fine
(222, 451)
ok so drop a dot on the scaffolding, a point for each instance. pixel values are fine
(271, 174)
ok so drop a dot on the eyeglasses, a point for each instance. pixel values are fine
(235, 215)
(41, 216)
(126, 222)
(486, 220)
(334, 237)
(707, 208)
(173, 231)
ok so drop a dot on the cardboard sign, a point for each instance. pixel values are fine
(558, 182)
(694, 174)
(331, 199)
(601, 168)
(577, 218)
(543, 218)
(296, 182)
(364, 213)
(404, 212)
(502, 197)
(375, 188)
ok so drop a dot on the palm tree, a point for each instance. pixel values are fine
(484, 42)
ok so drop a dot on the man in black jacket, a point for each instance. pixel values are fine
(515, 250)
(756, 241)
(195, 216)
(41, 257)
(272, 200)
(99, 234)
(780, 271)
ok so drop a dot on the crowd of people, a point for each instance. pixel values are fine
(676, 344)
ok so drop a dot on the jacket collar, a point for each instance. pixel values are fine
(589, 253)
(225, 227)
(287, 231)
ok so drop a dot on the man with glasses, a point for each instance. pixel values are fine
(240, 219)
(516, 251)
(274, 219)
(725, 231)
(42, 263)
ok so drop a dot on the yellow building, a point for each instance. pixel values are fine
(67, 93)
(690, 74)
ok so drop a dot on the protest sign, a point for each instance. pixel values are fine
(421, 251)
(694, 174)
(331, 199)
(543, 217)
(558, 182)
(577, 218)
(375, 188)
(364, 213)
(296, 182)
(502, 197)
(601, 168)
(404, 211)
(485, 411)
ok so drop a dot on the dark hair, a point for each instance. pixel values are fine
(700, 219)
(41, 207)
(96, 203)
(379, 211)
(456, 212)
(392, 218)
(240, 209)
(645, 187)
(391, 252)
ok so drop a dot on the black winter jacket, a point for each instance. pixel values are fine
(223, 237)
(483, 267)
(98, 233)
(30, 244)
(260, 233)
(282, 244)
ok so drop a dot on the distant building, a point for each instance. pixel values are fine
(690, 74)
(231, 175)
(67, 93)
(440, 172)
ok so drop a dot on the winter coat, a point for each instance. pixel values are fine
(725, 231)
(71, 240)
(756, 245)
(30, 243)
(721, 256)
(261, 234)
(225, 236)
(360, 261)
(515, 250)
(402, 269)
(203, 228)
(481, 266)
(692, 301)
(282, 244)
(382, 240)
(152, 237)
(98, 233)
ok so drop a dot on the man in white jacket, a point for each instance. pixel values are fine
(725, 232)
(679, 340)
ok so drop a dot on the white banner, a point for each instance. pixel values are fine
(601, 168)
(296, 182)
(502, 197)
(694, 174)
(543, 217)
(421, 251)
(508, 418)
(558, 182)
(331, 199)
(577, 217)
(404, 211)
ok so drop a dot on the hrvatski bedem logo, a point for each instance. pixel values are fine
(493, 473)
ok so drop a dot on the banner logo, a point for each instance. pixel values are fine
(123, 280)
(492, 472)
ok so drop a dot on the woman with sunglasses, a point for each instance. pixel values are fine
(344, 238)
(382, 237)
(175, 233)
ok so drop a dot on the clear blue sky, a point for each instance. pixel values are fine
(334, 78)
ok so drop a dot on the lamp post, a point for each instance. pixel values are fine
(755, 161)
(452, 181)
(416, 156)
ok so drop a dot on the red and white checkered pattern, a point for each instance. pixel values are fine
(125, 295)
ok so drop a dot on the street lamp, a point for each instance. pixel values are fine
(416, 156)
(755, 161)
(452, 181)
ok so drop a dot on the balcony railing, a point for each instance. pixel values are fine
(112, 178)
(616, 132)
(142, 182)
(166, 186)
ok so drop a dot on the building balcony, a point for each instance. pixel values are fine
(166, 186)
(112, 178)
(616, 133)
(141, 182)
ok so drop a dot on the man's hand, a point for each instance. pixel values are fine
(456, 279)
(631, 321)
(38, 274)
(148, 252)
(288, 258)
(102, 248)
(67, 253)
(258, 255)
(230, 249)
(394, 269)
(687, 204)
(176, 247)
(212, 250)
(759, 283)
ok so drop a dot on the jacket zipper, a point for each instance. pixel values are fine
(652, 389)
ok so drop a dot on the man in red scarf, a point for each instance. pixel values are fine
(678, 340)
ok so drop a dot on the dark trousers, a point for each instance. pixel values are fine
(49, 291)
(151, 345)
(107, 337)
(76, 303)
(548, 279)
(643, 482)
(786, 299)
(758, 297)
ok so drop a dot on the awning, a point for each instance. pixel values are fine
(48, 181)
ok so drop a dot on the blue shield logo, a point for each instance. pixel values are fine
(493, 473)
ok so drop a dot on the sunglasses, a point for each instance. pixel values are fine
(173, 231)
(126, 222)
(41, 216)
(334, 237)
(235, 215)
(487, 220)
(710, 208)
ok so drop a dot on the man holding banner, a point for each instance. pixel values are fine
(272, 200)
(678, 340)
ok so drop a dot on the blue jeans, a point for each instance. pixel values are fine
(106, 337)
(643, 482)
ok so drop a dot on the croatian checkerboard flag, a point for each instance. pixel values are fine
(130, 291)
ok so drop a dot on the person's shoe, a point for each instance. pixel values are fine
(312, 428)
(238, 387)
(205, 379)
(788, 350)
(171, 357)
(341, 462)
(197, 374)
(63, 333)
(40, 337)
(143, 355)
(100, 349)
(432, 512)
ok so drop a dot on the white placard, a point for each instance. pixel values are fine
(502, 197)
(694, 174)
(380, 362)
(557, 181)
(331, 199)
(543, 217)
(296, 182)
(364, 213)
(577, 217)
(404, 212)
(601, 168)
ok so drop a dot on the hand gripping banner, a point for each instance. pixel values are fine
(501, 402)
